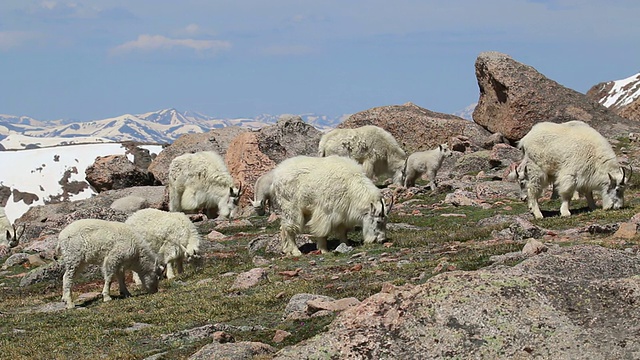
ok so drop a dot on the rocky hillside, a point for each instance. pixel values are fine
(466, 272)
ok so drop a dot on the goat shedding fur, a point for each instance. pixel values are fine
(325, 196)
(372, 146)
(575, 157)
(201, 181)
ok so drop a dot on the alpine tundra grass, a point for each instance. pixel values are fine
(144, 325)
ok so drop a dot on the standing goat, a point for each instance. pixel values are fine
(372, 146)
(575, 157)
(171, 235)
(325, 196)
(114, 246)
(201, 181)
(262, 194)
(428, 162)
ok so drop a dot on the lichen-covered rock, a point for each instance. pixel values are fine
(574, 303)
(418, 129)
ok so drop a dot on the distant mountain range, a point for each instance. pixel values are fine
(158, 127)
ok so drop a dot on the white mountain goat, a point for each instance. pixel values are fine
(202, 181)
(573, 156)
(262, 195)
(521, 174)
(428, 162)
(171, 235)
(9, 236)
(324, 196)
(113, 245)
(373, 147)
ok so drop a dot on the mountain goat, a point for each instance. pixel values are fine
(171, 235)
(201, 180)
(113, 245)
(372, 146)
(262, 195)
(573, 156)
(422, 162)
(325, 196)
(9, 236)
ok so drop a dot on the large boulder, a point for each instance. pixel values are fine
(252, 154)
(114, 172)
(570, 303)
(515, 96)
(215, 140)
(417, 129)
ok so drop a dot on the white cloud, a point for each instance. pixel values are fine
(12, 39)
(148, 43)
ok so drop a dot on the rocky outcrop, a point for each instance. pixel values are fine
(251, 154)
(215, 140)
(631, 111)
(418, 129)
(115, 172)
(570, 303)
(515, 96)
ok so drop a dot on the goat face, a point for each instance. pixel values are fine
(228, 204)
(374, 223)
(613, 196)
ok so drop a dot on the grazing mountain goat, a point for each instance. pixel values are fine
(113, 245)
(201, 180)
(372, 146)
(171, 235)
(422, 162)
(8, 233)
(573, 156)
(325, 196)
(262, 193)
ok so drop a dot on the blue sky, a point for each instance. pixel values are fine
(93, 59)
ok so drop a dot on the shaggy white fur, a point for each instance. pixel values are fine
(372, 146)
(114, 246)
(324, 196)
(428, 162)
(202, 181)
(171, 235)
(575, 157)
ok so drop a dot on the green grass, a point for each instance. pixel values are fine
(97, 330)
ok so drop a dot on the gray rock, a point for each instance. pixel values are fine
(574, 303)
(49, 272)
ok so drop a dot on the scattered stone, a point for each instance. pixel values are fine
(260, 261)
(626, 230)
(316, 305)
(233, 351)
(15, 259)
(280, 336)
(533, 247)
(130, 204)
(216, 236)
(223, 337)
(35, 260)
(343, 249)
(249, 279)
